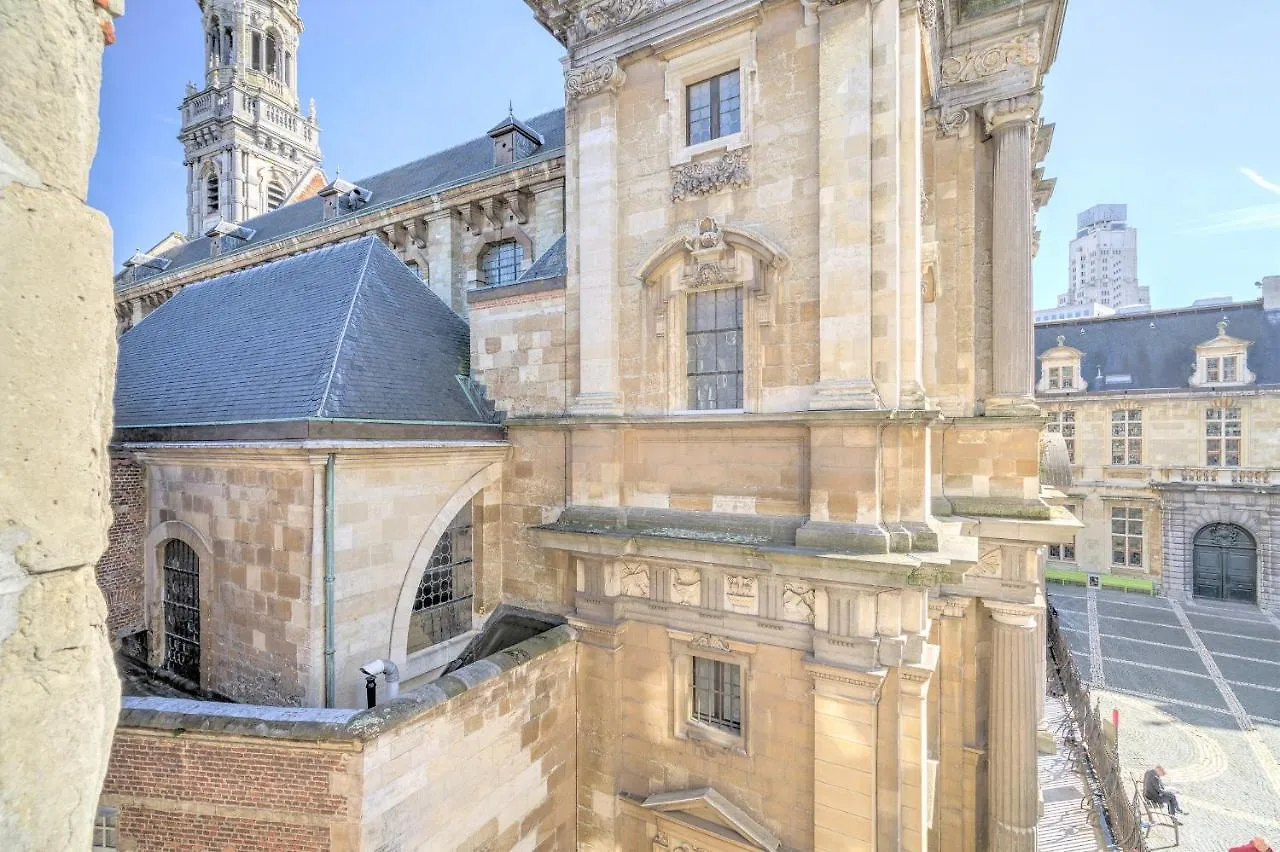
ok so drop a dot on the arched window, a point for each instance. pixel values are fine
(442, 605)
(273, 55)
(501, 262)
(275, 195)
(181, 610)
(211, 193)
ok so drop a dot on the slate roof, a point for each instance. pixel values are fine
(1157, 349)
(460, 164)
(345, 331)
(552, 264)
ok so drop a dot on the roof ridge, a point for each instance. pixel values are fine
(346, 323)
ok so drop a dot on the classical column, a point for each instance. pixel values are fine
(591, 92)
(1013, 800)
(844, 207)
(1009, 123)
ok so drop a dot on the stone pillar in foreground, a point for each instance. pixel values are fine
(61, 696)
(1009, 122)
(1014, 797)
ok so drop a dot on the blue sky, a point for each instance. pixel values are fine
(1158, 104)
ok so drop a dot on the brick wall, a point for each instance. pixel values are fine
(203, 791)
(120, 568)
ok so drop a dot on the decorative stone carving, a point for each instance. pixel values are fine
(729, 170)
(953, 120)
(996, 114)
(1223, 535)
(984, 62)
(989, 561)
(606, 15)
(798, 602)
(592, 79)
(686, 586)
(635, 579)
(741, 594)
(929, 13)
(710, 642)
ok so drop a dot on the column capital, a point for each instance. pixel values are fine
(949, 606)
(587, 80)
(1010, 111)
(1013, 614)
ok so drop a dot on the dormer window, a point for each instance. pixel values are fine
(1060, 369)
(513, 140)
(1223, 360)
(342, 197)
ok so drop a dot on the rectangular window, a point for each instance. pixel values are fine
(717, 694)
(105, 830)
(1064, 423)
(1126, 436)
(1063, 552)
(1229, 372)
(714, 349)
(1068, 377)
(1126, 537)
(1055, 378)
(1211, 369)
(1222, 434)
(714, 108)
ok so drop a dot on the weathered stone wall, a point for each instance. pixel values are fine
(518, 352)
(493, 768)
(198, 790)
(120, 570)
(533, 493)
(256, 517)
(57, 363)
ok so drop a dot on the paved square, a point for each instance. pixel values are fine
(1198, 690)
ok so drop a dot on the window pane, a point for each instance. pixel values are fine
(699, 96)
(1228, 369)
(730, 103)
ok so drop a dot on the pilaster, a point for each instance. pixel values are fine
(844, 207)
(1009, 122)
(593, 213)
(845, 770)
(1011, 732)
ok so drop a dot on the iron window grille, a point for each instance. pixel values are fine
(1126, 536)
(713, 344)
(717, 694)
(714, 107)
(442, 603)
(182, 610)
(1064, 423)
(1222, 434)
(501, 262)
(1126, 436)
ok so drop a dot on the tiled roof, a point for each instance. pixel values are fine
(470, 160)
(1157, 349)
(345, 331)
(552, 264)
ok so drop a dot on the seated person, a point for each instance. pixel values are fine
(1157, 794)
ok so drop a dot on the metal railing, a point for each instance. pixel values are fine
(1097, 753)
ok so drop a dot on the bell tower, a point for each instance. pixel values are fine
(247, 143)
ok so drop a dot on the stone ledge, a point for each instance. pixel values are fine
(179, 715)
(484, 294)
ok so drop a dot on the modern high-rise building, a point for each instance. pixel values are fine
(1103, 263)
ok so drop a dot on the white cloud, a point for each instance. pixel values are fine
(1259, 217)
(1260, 181)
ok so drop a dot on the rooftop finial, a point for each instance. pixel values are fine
(1222, 328)
(1062, 340)
(511, 109)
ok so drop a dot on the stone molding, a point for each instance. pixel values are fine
(728, 171)
(592, 79)
(1012, 614)
(953, 121)
(994, 59)
(1017, 110)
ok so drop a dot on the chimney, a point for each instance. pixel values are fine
(1270, 292)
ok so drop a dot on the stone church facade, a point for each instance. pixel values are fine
(722, 376)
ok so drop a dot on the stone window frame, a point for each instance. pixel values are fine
(1127, 509)
(1053, 362)
(1128, 437)
(460, 584)
(689, 65)
(475, 272)
(153, 591)
(742, 259)
(106, 829)
(1211, 358)
(1224, 406)
(686, 646)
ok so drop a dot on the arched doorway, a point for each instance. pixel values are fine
(1225, 564)
(182, 610)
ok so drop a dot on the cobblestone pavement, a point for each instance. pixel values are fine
(1198, 690)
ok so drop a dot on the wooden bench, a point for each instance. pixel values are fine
(1151, 815)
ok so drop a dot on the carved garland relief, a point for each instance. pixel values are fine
(984, 62)
(592, 79)
(728, 171)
